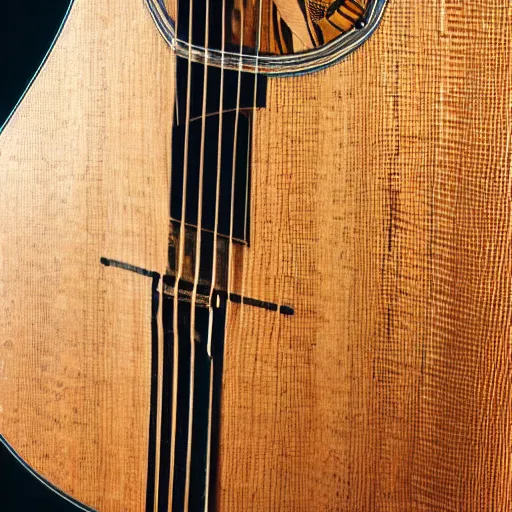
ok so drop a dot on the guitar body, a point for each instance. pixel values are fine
(379, 216)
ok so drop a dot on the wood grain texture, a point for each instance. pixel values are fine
(381, 210)
(84, 174)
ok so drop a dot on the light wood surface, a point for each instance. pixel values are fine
(84, 174)
(381, 213)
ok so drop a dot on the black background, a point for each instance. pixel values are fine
(27, 29)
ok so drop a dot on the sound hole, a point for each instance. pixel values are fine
(284, 27)
(267, 36)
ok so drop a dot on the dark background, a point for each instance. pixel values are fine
(27, 29)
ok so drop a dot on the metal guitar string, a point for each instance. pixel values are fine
(197, 265)
(230, 245)
(219, 167)
(234, 161)
(230, 252)
(181, 251)
(251, 131)
(214, 256)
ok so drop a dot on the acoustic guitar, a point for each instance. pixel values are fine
(255, 256)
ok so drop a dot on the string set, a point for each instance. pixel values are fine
(179, 271)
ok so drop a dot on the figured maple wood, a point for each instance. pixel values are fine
(84, 167)
(381, 213)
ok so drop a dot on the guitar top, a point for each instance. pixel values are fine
(255, 257)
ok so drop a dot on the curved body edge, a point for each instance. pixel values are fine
(23, 488)
(41, 65)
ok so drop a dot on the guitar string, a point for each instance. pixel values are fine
(197, 264)
(247, 179)
(157, 471)
(215, 248)
(161, 350)
(230, 249)
(234, 160)
(219, 165)
(209, 431)
(181, 254)
(231, 227)
(251, 132)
